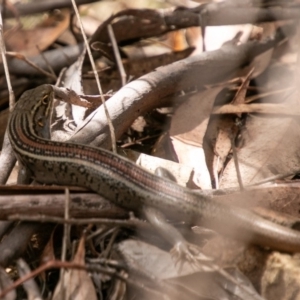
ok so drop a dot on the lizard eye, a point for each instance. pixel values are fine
(45, 100)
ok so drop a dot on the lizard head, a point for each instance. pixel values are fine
(38, 104)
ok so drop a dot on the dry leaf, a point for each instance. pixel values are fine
(159, 264)
(188, 129)
(152, 260)
(270, 147)
(48, 252)
(217, 144)
(75, 284)
(31, 42)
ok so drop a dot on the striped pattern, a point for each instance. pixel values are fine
(124, 183)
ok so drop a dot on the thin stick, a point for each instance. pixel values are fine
(6, 71)
(7, 157)
(30, 63)
(110, 124)
(59, 264)
(236, 163)
(71, 221)
(267, 94)
(66, 226)
(117, 54)
(273, 178)
(46, 61)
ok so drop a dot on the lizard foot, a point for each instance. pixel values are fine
(185, 252)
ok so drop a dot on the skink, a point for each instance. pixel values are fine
(123, 182)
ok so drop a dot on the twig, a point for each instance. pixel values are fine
(138, 96)
(66, 241)
(7, 158)
(236, 163)
(46, 61)
(259, 108)
(65, 237)
(71, 221)
(110, 124)
(110, 244)
(54, 264)
(117, 54)
(139, 141)
(242, 88)
(272, 178)
(30, 63)
(267, 94)
(30, 286)
(6, 71)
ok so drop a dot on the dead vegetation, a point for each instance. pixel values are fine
(208, 91)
